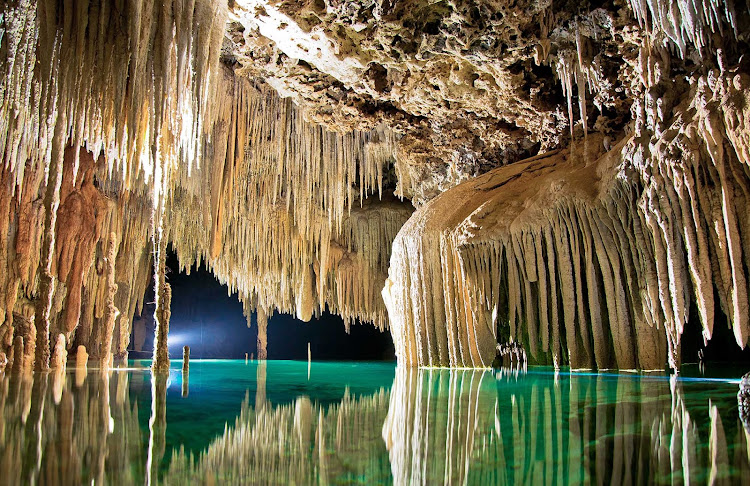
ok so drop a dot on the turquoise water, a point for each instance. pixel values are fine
(282, 422)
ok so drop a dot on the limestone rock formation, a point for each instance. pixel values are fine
(580, 171)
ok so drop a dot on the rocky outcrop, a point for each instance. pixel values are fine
(587, 258)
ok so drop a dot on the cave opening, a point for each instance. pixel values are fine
(209, 319)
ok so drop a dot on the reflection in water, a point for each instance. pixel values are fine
(439, 426)
(87, 436)
(430, 426)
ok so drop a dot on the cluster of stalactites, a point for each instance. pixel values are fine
(127, 85)
(686, 22)
(274, 209)
(600, 264)
(132, 85)
(687, 25)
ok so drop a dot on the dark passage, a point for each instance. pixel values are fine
(211, 322)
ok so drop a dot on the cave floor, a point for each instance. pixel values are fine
(293, 422)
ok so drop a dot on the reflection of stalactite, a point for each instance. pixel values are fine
(291, 444)
(463, 427)
(260, 383)
(470, 428)
(421, 447)
(70, 440)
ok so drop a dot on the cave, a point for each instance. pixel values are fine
(403, 241)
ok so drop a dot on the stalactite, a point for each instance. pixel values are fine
(625, 255)
(686, 23)
(93, 92)
(293, 223)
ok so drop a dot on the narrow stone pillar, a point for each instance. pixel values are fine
(59, 354)
(186, 359)
(111, 312)
(162, 315)
(46, 280)
(262, 335)
(185, 370)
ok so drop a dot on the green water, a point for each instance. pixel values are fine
(283, 422)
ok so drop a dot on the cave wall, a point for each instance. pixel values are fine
(579, 169)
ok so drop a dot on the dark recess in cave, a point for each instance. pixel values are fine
(722, 348)
(211, 322)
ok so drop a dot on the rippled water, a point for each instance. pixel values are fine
(283, 422)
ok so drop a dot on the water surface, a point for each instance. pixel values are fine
(284, 422)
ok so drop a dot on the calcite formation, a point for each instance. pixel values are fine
(579, 170)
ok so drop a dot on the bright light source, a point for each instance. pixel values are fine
(178, 340)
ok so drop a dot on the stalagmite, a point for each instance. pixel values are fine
(18, 356)
(82, 357)
(59, 354)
